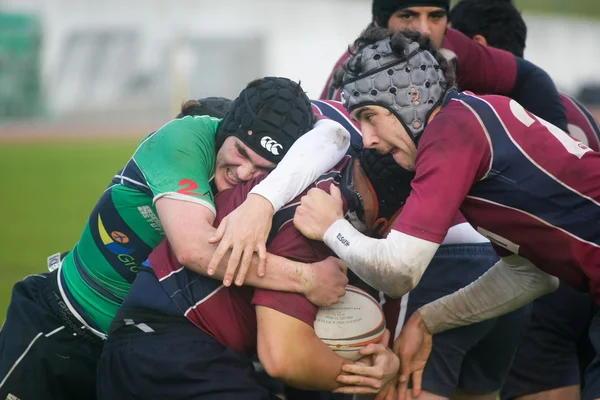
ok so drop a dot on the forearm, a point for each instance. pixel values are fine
(291, 352)
(393, 265)
(511, 283)
(324, 146)
(284, 275)
(315, 366)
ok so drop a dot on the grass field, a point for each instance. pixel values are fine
(49, 190)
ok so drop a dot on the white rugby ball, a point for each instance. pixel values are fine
(351, 324)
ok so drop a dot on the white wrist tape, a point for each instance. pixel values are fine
(393, 265)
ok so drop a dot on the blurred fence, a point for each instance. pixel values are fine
(20, 66)
(137, 60)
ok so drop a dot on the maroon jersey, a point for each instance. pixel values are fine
(523, 183)
(227, 313)
(480, 69)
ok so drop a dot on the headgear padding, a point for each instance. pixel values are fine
(410, 85)
(275, 110)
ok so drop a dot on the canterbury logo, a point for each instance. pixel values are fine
(271, 145)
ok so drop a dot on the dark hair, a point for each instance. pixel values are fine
(399, 41)
(498, 21)
(214, 106)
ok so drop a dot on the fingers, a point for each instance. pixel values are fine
(417, 379)
(234, 261)
(359, 380)
(218, 255)
(402, 388)
(385, 339)
(262, 259)
(355, 390)
(244, 266)
(216, 238)
(362, 370)
(335, 192)
(373, 348)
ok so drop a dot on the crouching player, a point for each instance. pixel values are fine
(182, 335)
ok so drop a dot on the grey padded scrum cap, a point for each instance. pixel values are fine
(410, 86)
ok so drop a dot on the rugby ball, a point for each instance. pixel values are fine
(351, 324)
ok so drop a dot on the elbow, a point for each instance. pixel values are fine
(189, 257)
(400, 283)
(276, 363)
(547, 284)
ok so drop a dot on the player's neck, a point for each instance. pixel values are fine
(434, 113)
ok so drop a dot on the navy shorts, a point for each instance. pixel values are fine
(474, 358)
(591, 388)
(548, 356)
(41, 357)
(167, 357)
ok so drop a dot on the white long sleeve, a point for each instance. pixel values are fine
(393, 265)
(310, 156)
(511, 283)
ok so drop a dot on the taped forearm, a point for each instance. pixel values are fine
(511, 283)
(312, 155)
(393, 265)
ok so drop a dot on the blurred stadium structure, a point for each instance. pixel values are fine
(137, 60)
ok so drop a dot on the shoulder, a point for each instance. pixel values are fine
(458, 129)
(188, 132)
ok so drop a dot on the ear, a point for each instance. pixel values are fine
(480, 39)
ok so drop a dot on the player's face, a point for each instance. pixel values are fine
(237, 163)
(430, 21)
(382, 131)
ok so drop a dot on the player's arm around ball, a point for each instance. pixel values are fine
(290, 351)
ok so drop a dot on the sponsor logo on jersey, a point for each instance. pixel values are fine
(119, 237)
(114, 242)
(271, 145)
(151, 218)
(343, 240)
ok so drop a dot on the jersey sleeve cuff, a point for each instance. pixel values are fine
(183, 197)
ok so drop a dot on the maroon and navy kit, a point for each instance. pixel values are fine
(187, 336)
(227, 313)
(580, 117)
(474, 358)
(527, 186)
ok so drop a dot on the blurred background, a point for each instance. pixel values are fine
(82, 81)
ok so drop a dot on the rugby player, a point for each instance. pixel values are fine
(57, 322)
(479, 69)
(522, 182)
(207, 332)
(472, 361)
(555, 348)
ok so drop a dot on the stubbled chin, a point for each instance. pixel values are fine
(221, 183)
